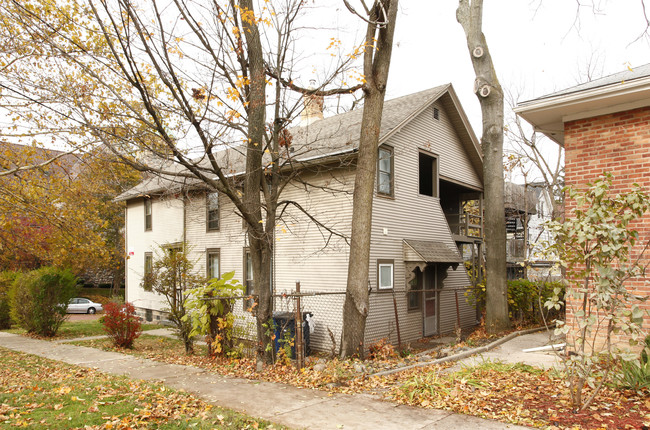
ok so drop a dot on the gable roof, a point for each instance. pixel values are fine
(629, 89)
(332, 137)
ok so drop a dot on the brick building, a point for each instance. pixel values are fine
(604, 125)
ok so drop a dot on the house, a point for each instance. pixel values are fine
(429, 168)
(604, 125)
(519, 206)
(527, 208)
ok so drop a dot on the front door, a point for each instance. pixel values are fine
(431, 296)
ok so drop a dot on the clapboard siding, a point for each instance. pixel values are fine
(167, 227)
(306, 252)
(410, 215)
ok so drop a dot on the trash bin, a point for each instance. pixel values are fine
(285, 329)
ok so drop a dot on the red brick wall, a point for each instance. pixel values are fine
(620, 144)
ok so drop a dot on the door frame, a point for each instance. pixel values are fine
(430, 268)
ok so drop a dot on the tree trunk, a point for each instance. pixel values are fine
(260, 243)
(490, 95)
(376, 66)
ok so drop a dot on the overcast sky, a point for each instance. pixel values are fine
(537, 47)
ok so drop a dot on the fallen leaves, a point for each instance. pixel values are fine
(508, 393)
(47, 394)
(516, 394)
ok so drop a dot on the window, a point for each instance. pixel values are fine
(212, 211)
(428, 175)
(385, 171)
(212, 263)
(148, 269)
(248, 272)
(248, 275)
(385, 274)
(436, 113)
(147, 214)
(414, 297)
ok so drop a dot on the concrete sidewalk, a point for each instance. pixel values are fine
(283, 404)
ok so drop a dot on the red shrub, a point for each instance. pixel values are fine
(121, 324)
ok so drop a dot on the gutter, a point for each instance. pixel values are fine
(619, 88)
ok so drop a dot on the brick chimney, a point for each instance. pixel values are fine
(313, 107)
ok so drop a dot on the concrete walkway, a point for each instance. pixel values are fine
(283, 404)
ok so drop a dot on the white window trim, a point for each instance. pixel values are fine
(392, 276)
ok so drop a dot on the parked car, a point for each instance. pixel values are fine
(83, 306)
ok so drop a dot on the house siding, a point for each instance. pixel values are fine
(410, 215)
(167, 227)
(309, 253)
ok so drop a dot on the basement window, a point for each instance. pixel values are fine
(428, 175)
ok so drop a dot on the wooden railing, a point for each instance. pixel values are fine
(465, 224)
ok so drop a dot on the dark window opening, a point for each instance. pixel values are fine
(436, 113)
(428, 175)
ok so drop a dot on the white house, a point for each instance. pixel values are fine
(429, 166)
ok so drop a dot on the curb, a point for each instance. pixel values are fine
(462, 355)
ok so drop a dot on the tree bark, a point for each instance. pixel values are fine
(490, 95)
(376, 67)
(259, 241)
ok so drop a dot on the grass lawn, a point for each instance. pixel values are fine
(74, 329)
(40, 393)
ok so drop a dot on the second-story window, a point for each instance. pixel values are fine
(212, 211)
(428, 175)
(147, 215)
(385, 171)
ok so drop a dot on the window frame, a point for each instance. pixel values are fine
(417, 294)
(391, 152)
(435, 174)
(208, 253)
(209, 228)
(147, 268)
(148, 214)
(249, 284)
(385, 263)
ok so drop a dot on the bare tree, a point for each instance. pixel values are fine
(488, 90)
(381, 19)
(195, 93)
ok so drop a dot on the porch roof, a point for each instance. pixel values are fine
(429, 251)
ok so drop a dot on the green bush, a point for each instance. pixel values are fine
(635, 375)
(39, 299)
(6, 279)
(526, 299)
